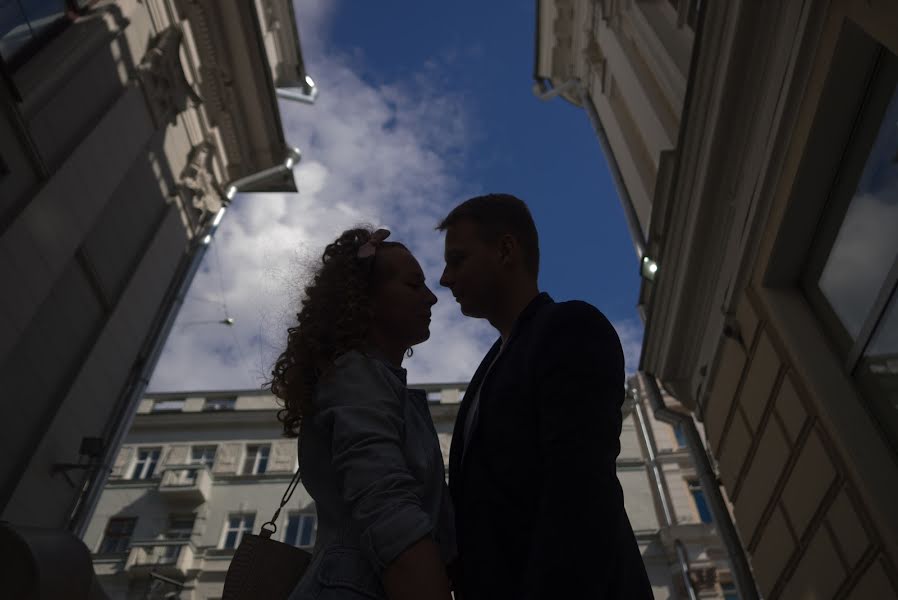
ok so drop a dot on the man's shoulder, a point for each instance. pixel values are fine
(576, 315)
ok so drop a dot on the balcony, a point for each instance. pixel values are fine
(190, 483)
(172, 558)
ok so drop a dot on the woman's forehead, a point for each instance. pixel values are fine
(398, 260)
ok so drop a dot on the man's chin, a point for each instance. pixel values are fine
(470, 311)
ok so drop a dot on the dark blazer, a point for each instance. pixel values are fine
(539, 510)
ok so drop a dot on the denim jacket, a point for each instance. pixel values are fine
(371, 460)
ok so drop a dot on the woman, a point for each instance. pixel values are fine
(369, 453)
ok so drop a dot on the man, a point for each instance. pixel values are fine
(539, 510)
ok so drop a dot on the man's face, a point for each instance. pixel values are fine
(472, 270)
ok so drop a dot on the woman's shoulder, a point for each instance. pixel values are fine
(356, 377)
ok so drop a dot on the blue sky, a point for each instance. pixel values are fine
(421, 105)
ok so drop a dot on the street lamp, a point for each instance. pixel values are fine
(648, 268)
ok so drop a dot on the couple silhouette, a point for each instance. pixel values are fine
(533, 507)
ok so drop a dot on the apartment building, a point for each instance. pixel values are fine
(126, 127)
(754, 148)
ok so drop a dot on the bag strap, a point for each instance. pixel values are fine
(267, 533)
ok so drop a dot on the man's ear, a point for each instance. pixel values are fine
(508, 249)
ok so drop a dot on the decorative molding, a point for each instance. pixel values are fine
(216, 80)
(198, 181)
(162, 78)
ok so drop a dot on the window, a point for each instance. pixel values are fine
(434, 396)
(213, 404)
(300, 530)
(680, 436)
(145, 465)
(256, 461)
(168, 405)
(701, 504)
(729, 591)
(203, 455)
(180, 527)
(237, 525)
(852, 274)
(25, 26)
(117, 536)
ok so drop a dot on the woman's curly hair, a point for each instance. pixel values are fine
(334, 318)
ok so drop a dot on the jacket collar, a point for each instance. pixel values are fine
(540, 300)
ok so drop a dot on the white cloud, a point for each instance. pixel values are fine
(630, 333)
(380, 154)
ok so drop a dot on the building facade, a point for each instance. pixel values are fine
(125, 128)
(196, 472)
(770, 305)
(199, 470)
(668, 508)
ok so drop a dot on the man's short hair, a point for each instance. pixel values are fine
(496, 215)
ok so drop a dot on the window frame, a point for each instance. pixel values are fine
(256, 459)
(172, 518)
(867, 124)
(303, 517)
(178, 402)
(703, 510)
(105, 537)
(202, 461)
(240, 531)
(136, 464)
(72, 9)
(211, 404)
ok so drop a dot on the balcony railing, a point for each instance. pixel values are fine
(166, 557)
(186, 482)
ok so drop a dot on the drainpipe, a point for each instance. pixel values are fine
(544, 91)
(663, 494)
(708, 479)
(133, 394)
(648, 437)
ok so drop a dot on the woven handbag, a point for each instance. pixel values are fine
(263, 568)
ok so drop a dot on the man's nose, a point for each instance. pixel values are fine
(444, 278)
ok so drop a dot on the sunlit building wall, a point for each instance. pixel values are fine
(771, 314)
(196, 472)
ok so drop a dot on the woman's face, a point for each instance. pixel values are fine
(402, 300)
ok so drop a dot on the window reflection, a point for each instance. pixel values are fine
(24, 21)
(877, 373)
(866, 245)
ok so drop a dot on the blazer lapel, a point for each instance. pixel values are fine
(456, 448)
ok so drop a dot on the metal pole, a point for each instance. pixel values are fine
(657, 476)
(683, 558)
(654, 469)
(138, 385)
(708, 479)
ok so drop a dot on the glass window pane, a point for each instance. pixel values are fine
(263, 459)
(14, 29)
(42, 14)
(308, 527)
(231, 539)
(866, 245)
(701, 504)
(170, 405)
(681, 437)
(877, 372)
(213, 404)
(292, 530)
